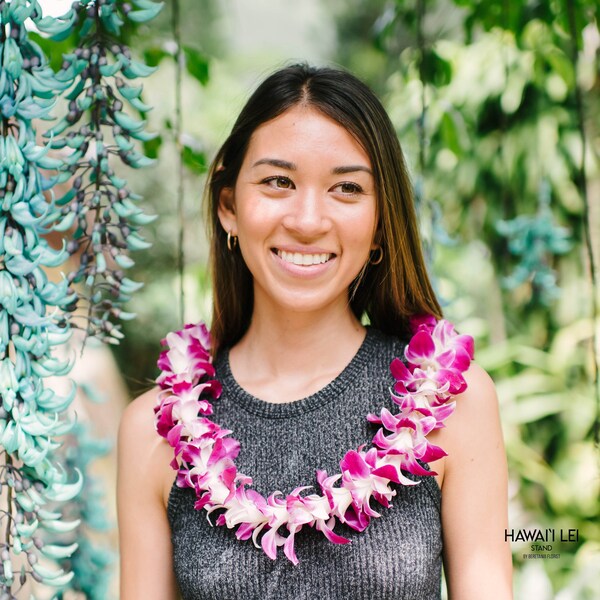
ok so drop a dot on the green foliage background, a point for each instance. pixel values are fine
(487, 99)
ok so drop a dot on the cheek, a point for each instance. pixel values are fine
(254, 226)
(361, 230)
(253, 219)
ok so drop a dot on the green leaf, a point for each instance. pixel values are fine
(436, 70)
(534, 407)
(450, 134)
(153, 56)
(151, 147)
(562, 65)
(196, 64)
(194, 160)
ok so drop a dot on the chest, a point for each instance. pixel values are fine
(398, 556)
(282, 445)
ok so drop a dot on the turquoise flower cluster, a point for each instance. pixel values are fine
(98, 205)
(98, 220)
(536, 240)
(29, 326)
(91, 562)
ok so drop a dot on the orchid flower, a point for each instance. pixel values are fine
(204, 456)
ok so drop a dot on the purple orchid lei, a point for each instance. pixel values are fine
(436, 358)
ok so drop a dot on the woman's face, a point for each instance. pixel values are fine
(304, 211)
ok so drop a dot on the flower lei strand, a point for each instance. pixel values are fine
(436, 358)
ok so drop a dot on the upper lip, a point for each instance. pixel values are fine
(302, 249)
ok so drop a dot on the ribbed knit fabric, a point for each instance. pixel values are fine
(398, 557)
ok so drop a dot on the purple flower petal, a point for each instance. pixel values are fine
(354, 464)
(387, 471)
(288, 547)
(203, 454)
(357, 520)
(399, 370)
(421, 347)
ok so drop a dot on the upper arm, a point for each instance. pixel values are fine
(144, 534)
(475, 496)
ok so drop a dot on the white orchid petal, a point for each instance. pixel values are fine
(219, 486)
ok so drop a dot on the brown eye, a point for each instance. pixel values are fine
(349, 189)
(283, 182)
(279, 182)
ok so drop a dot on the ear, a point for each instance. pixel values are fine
(226, 210)
(376, 243)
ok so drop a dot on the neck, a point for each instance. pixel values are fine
(291, 344)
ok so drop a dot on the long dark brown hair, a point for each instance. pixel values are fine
(387, 293)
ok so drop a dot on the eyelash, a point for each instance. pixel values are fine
(276, 179)
(356, 189)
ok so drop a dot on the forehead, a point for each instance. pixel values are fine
(303, 130)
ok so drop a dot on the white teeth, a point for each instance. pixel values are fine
(303, 259)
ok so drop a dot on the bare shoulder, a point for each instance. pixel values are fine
(476, 416)
(138, 417)
(473, 430)
(141, 450)
(478, 404)
(137, 434)
(479, 399)
(479, 384)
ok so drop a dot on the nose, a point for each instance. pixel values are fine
(308, 214)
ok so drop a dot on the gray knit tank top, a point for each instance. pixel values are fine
(398, 556)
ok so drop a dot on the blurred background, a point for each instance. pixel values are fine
(497, 107)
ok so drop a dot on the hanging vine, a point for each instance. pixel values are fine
(100, 131)
(177, 132)
(583, 190)
(431, 223)
(36, 315)
(535, 240)
(32, 416)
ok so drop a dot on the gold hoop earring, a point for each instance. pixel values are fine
(231, 241)
(379, 258)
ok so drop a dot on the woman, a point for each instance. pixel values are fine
(312, 229)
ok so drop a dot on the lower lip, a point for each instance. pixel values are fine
(306, 271)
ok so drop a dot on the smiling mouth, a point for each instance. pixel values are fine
(301, 259)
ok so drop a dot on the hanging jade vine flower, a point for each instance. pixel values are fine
(32, 318)
(98, 131)
(90, 562)
(535, 240)
(34, 312)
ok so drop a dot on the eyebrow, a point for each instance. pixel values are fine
(284, 164)
(276, 162)
(351, 169)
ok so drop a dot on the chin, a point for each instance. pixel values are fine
(309, 303)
